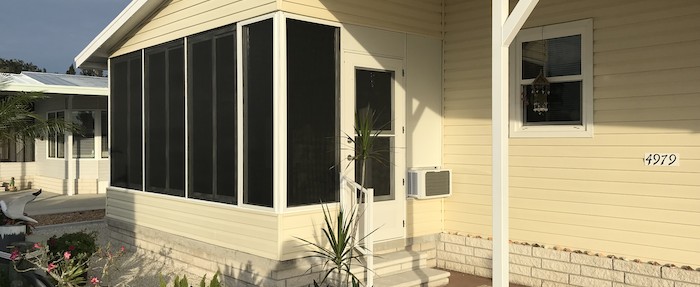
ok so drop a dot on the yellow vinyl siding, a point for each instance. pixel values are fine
(423, 217)
(177, 19)
(587, 193)
(305, 224)
(249, 231)
(413, 16)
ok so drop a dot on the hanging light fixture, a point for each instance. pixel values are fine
(540, 92)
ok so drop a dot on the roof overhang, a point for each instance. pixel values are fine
(96, 53)
(55, 89)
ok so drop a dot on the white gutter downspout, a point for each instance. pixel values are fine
(504, 28)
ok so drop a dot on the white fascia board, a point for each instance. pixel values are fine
(55, 89)
(96, 53)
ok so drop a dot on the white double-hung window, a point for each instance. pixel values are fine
(559, 60)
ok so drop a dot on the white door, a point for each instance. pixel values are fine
(376, 84)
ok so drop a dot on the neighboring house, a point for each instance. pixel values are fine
(66, 164)
(228, 116)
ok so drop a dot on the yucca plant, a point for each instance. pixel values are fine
(337, 256)
(364, 141)
(342, 233)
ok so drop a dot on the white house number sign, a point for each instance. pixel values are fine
(661, 159)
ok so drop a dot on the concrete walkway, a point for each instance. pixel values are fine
(50, 203)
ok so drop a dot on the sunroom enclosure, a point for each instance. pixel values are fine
(213, 112)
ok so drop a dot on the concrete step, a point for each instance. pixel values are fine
(395, 262)
(423, 277)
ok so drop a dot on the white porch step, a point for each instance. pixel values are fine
(395, 262)
(423, 277)
(405, 269)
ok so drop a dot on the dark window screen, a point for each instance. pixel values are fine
(257, 113)
(125, 104)
(212, 112)
(312, 85)
(165, 89)
(373, 92)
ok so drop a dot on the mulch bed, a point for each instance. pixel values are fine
(69, 217)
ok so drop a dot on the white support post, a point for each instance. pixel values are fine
(503, 31)
(369, 237)
(499, 118)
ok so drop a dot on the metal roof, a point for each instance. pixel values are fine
(54, 83)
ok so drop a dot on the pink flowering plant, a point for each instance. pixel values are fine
(106, 258)
(65, 270)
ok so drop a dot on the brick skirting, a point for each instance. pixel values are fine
(543, 267)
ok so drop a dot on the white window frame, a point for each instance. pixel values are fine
(282, 127)
(54, 139)
(97, 138)
(275, 109)
(585, 129)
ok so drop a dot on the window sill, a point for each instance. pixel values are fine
(576, 131)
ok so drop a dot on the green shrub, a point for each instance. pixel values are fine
(75, 243)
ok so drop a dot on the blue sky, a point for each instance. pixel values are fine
(50, 33)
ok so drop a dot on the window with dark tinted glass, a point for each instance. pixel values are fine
(312, 94)
(165, 118)
(257, 113)
(125, 104)
(554, 58)
(212, 115)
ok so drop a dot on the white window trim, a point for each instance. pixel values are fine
(55, 137)
(585, 129)
(282, 131)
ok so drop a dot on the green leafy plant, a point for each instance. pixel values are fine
(182, 282)
(77, 242)
(66, 270)
(337, 256)
(341, 233)
(364, 141)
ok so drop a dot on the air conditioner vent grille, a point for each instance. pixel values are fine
(437, 183)
(426, 183)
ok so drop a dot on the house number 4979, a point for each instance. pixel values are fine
(661, 159)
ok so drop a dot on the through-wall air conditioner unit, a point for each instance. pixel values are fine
(429, 182)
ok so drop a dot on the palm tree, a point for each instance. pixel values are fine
(19, 122)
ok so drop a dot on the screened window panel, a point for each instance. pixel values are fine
(176, 120)
(213, 145)
(201, 156)
(125, 103)
(257, 113)
(84, 142)
(226, 120)
(165, 119)
(119, 105)
(156, 118)
(312, 127)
